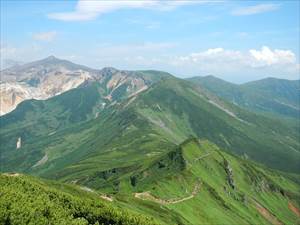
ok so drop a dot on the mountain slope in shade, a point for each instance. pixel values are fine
(273, 96)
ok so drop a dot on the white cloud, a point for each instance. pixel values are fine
(91, 9)
(238, 65)
(252, 58)
(230, 64)
(266, 56)
(256, 9)
(45, 36)
(212, 56)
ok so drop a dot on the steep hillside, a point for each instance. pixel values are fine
(204, 185)
(272, 96)
(65, 129)
(187, 110)
(74, 137)
(195, 182)
(27, 200)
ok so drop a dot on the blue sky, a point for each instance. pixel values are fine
(234, 40)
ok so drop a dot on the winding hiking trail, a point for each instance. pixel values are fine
(147, 196)
(103, 196)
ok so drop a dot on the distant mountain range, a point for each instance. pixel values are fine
(180, 151)
(271, 95)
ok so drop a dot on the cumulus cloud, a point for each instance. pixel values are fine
(243, 65)
(45, 36)
(256, 9)
(91, 9)
(266, 56)
(252, 58)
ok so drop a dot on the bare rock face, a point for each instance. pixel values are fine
(51, 76)
(39, 80)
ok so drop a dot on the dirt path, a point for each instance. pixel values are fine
(266, 214)
(103, 196)
(294, 209)
(107, 198)
(12, 174)
(147, 196)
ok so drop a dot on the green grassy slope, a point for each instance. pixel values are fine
(195, 182)
(133, 151)
(72, 124)
(27, 200)
(200, 184)
(177, 109)
(270, 96)
(132, 132)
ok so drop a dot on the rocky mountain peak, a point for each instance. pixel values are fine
(51, 76)
(40, 80)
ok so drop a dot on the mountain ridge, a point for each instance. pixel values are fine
(270, 96)
(52, 76)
